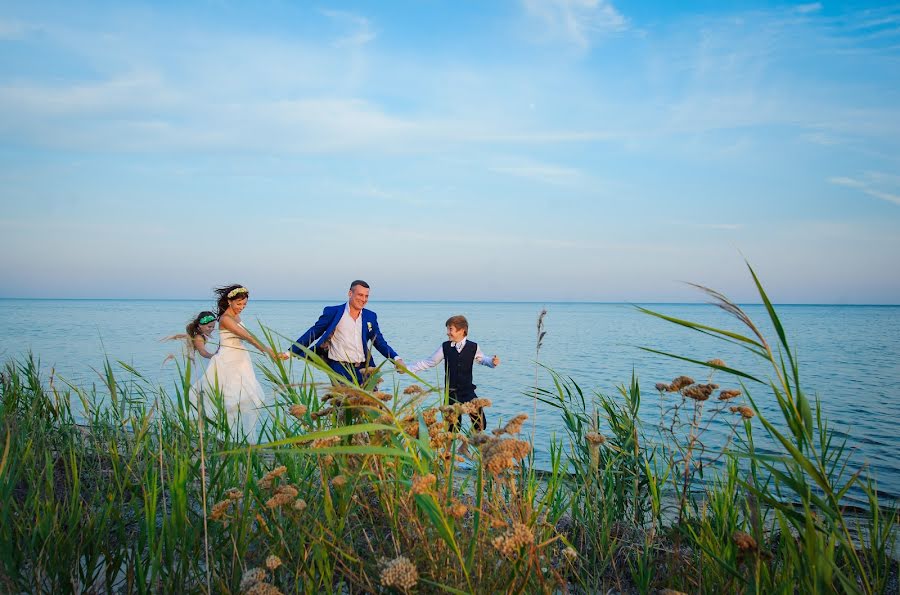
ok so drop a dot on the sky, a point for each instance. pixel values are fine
(532, 150)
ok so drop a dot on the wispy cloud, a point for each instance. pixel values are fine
(360, 31)
(808, 8)
(866, 186)
(542, 172)
(578, 22)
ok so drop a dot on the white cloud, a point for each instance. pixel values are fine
(549, 174)
(808, 8)
(576, 21)
(361, 31)
(866, 187)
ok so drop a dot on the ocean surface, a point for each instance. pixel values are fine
(849, 355)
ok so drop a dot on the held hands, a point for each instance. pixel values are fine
(282, 355)
(401, 367)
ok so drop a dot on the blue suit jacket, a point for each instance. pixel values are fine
(322, 330)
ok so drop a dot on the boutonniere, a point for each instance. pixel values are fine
(369, 325)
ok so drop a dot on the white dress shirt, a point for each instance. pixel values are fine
(346, 343)
(438, 356)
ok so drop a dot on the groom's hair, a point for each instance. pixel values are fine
(359, 282)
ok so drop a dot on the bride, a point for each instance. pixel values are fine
(230, 373)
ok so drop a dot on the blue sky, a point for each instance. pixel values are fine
(524, 150)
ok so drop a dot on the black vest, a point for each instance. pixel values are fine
(458, 366)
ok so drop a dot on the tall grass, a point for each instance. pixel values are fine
(355, 489)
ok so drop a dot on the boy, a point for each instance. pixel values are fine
(458, 355)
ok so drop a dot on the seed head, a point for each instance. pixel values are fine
(717, 362)
(297, 411)
(273, 562)
(663, 387)
(430, 416)
(325, 442)
(383, 396)
(480, 403)
(570, 553)
(744, 542)
(413, 389)
(514, 426)
(400, 573)
(266, 480)
(512, 541)
(595, 438)
(263, 589)
(729, 393)
(680, 382)
(251, 577)
(219, 510)
(421, 484)
(300, 505)
(457, 509)
(745, 411)
(338, 481)
(234, 494)
(699, 392)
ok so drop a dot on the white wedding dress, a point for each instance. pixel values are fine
(230, 374)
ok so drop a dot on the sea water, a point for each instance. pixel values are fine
(849, 355)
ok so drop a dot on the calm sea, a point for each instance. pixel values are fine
(849, 355)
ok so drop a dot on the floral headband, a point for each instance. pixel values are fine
(207, 319)
(236, 291)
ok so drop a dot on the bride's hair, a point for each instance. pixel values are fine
(223, 293)
(193, 327)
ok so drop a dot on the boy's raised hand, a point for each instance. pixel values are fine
(495, 360)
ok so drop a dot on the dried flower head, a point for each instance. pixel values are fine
(399, 573)
(273, 562)
(265, 481)
(234, 494)
(743, 541)
(512, 541)
(219, 510)
(421, 484)
(500, 455)
(430, 416)
(570, 554)
(321, 413)
(284, 495)
(745, 411)
(480, 403)
(325, 442)
(699, 392)
(481, 438)
(263, 589)
(680, 382)
(300, 505)
(729, 393)
(514, 426)
(457, 509)
(297, 410)
(338, 481)
(252, 576)
(383, 396)
(717, 362)
(413, 389)
(595, 438)
(663, 387)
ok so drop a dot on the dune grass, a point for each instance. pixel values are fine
(352, 489)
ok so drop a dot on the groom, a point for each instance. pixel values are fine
(344, 332)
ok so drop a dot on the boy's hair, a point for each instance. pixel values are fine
(459, 321)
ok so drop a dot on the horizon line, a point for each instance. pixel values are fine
(469, 301)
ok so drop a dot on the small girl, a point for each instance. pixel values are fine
(199, 331)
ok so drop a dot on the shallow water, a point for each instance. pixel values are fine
(849, 355)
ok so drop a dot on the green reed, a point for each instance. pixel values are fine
(357, 489)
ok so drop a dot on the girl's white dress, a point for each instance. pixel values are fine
(230, 374)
